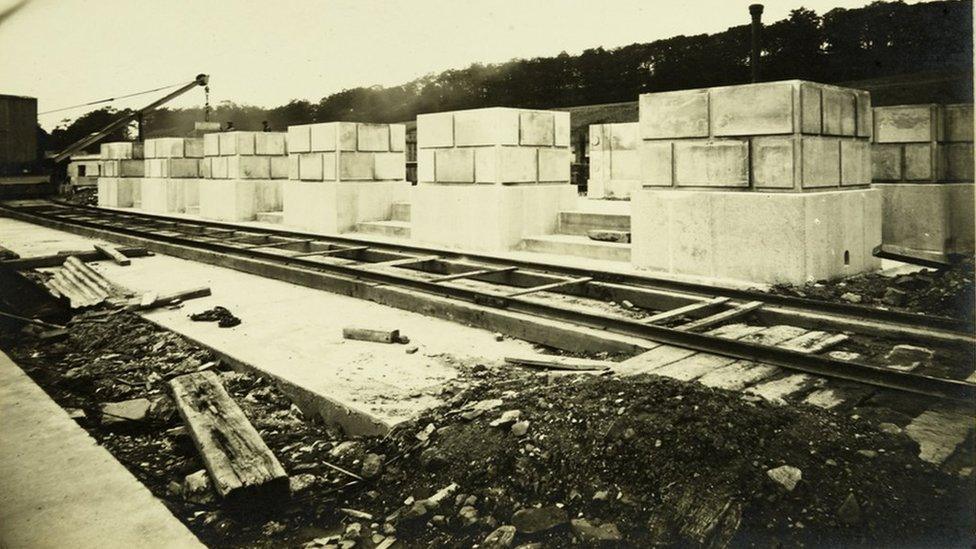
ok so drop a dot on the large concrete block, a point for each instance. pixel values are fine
(299, 139)
(624, 137)
(493, 126)
(161, 195)
(518, 165)
(958, 161)
(774, 163)
(310, 166)
(554, 165)
(906, 124)
(486, 168)
(865, 123)
(425, 166)
(373, 137)
(486, 217)
(193, 147)
(821, 162)
(164, 147)
(121, 150)
(333, 209)
(711, 163)
(435, 130)
(116, 192)
(206, 168)
(355, 166)
(269, 143)
(656, 163)
(624, 164)
(347, 136)
(758, 237)
(926, 218)
(279, 167)
(390, 166)
(958, 122)
(886, 162)
(753, 109)
(249, 167)
(562, 128)
(811, 118)
(211, 144)
(674, 114)
(839, 111)
(855, 162)
(323, 137)
(536, 128)
(454, 166)
(398, 137)
(920, 161)
(218, 167)
(228, 199)
(237, 143)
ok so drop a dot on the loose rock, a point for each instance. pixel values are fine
(590, 534)
(786, 476)
(502, 538)
(539, 519)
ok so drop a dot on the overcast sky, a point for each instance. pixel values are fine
(266, 52)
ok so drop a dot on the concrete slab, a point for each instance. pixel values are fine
(928, 217)
(116, 192)
(338, 207)
(59, 488)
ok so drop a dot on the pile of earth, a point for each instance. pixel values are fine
(650, 461)
(943, 292)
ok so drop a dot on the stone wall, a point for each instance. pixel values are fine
(615, 169)
(922, 143)
(347, 151)
(776, 136)
(244, 155)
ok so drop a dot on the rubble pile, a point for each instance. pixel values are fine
(516, 458)
(943, 292)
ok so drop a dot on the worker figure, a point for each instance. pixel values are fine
(265, 127)
(230, 127)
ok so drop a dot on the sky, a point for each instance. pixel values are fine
(267, 52)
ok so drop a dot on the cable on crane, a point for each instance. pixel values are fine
(112, 99)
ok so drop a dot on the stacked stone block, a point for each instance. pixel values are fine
(490, 177)
(763, 183)
(777, 136)
(922, 162)
(172, 172)
(615, 169)
(121, 169)
(242, 174)
(343, 173)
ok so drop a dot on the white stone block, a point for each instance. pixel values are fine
(711, 163)
(624, 137)
(454, 165)
(674, 114)
(492, 126)
(149, 148)
(886, 162)
(211, 144)
(390, 166)
(536, 128)
(839, 111)
(624, 164)
(131, 167)
(205, 168)
(518, 165)
(554, 165)
(373, 137)
(855, 162)
(279, 167)
(398, 137)
(486, 165)
(193, 147)
(958, 122)
(865, 123)
(346, 135)
(237, 143)
(561, 120)
(299, 138)
(906, 124)
(656, 163)
(425, 166)
(810, 103)
(310, 166)
(293, 163)
(269, 143)
(958, 161)
(218, 167)
(752, 109)
(821, 162)
(324, 137)
(435, 130)
(355, 166)
(774, 162)
(249, 167)
(228, 199)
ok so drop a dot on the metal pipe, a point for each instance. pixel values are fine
(756, 11)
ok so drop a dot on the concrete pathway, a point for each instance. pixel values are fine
(58, 488)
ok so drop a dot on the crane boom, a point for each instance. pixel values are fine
(200, 80)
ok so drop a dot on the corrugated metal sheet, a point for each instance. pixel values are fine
(80, 284)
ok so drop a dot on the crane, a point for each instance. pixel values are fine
(200, 80)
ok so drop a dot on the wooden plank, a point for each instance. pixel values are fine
(682, 311)
(332, 251)
(34, 321)
(111, 252)
(403, 261)
(369, 334)
(277, 244)
(724, 316)
(7, 254)
(166, 299)
(551, 286)
(555, 362)
(55, 260)
(470, 274)
(242, 467)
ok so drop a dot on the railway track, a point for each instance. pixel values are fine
(768, 344)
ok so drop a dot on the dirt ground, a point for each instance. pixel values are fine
(942, 292)
(591, 460)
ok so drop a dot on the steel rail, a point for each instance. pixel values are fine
(641, 281)
(788, 359)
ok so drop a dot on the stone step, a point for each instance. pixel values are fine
(579, 246)
(384, 228)
(270, 217)
(578, 222)
(401, 211)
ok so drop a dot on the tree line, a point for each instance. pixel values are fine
(879, 40)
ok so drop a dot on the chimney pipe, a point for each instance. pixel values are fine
(756, 11)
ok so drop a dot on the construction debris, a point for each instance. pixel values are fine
(223, 317)
(151, 300)
(81, 285)
(605, 235)
(559, 362)
(111, 252)
(238, 461)
(373, 335)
